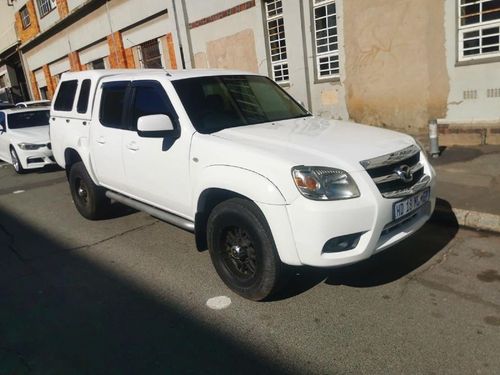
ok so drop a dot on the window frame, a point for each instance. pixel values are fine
(146, 83)
(478, 27)
(24, 17)
(283, 62)
(125, 115)
(43, 12)
(73, 93)
(318, 78)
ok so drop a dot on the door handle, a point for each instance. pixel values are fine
(67, 120)
(132, 146)
(101, 140)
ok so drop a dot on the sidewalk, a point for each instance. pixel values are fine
(469, 185)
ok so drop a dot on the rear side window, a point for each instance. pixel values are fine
(66, 96)
(112, 103)
(30, 119)
(83, 99)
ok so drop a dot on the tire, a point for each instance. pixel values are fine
(16, 163)
(90, 199)
(242, 249)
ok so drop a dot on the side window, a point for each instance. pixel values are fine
(66, 96)
(2, 120)
(150, 99)
(112, 104)
(83, 99)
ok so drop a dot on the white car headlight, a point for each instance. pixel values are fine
(30, 146)
(325, 184)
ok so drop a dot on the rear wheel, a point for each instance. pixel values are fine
(16, 163)
(242, 249)
(90, 199)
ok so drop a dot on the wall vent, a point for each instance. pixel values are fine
(493, 93)
(470, 94)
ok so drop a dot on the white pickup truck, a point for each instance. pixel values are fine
(233, 158)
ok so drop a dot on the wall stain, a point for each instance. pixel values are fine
(492, 321)
(489, 276)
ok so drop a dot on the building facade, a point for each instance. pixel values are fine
(390, 63)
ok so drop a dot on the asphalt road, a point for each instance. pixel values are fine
(128, 296)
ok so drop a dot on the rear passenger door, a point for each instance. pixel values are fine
(157, 169)
(107, 132)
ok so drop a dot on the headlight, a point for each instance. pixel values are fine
(30, 146)
(324, 184)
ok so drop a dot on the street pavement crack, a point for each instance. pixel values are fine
(88, 246)
(22, 361)
(416, 276)
(10, 244)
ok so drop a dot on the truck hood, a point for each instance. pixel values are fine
(36, 134)
(316, 141)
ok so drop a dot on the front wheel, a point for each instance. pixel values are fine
(90, 199)
(242, 249)
(16, 163)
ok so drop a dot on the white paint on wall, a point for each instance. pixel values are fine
(59, 66)
(40, 78)
(7, 31)
(463, 79)
(200, 9)
(74, 4)
(95, 52)
(247, 19)
(147, 31)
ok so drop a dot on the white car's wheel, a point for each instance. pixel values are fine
(16, 163)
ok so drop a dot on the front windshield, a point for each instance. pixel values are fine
(220, 102)
(28, 119)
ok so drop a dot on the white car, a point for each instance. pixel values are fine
(34, 103)
(233, 158)
(24, 138)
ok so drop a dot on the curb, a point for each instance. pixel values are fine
(468, 218)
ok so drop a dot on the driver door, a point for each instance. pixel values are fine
(156, 168)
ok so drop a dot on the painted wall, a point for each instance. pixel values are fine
(7, 31)
(395, 68)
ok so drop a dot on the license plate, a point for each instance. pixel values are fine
(408, 205)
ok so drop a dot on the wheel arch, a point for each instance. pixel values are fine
(71, 157)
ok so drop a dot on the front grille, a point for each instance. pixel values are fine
(397, 174)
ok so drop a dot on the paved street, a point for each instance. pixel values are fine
(128, 295)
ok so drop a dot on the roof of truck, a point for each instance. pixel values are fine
(171, 74)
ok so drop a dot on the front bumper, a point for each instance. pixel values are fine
(31, 159)
(314, 223)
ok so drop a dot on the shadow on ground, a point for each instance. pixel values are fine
(387, 266)
(66, 315)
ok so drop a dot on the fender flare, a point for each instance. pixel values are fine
(241, 181)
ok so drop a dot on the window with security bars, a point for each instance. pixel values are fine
(277, 42)
(45, 7)
(326, 38)
(25, 17)
(478, 29)
(151, 55)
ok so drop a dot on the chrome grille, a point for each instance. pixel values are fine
(397, 174)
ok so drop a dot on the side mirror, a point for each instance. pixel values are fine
(154, 126)
(2, 128)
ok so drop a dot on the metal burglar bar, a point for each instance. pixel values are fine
(277, 42)
(25, 17)
(326, 38)
(479, 29)
(151, 56)
(45, 6)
